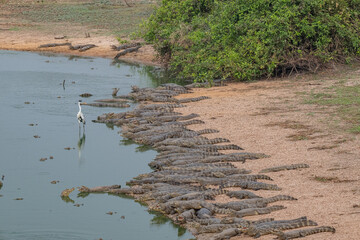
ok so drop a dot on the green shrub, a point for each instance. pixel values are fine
(247, 39)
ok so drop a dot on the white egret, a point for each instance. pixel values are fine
(80, 116)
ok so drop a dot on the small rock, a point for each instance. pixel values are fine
(86, 95)
(78, 205)
(51, 157)
(26, 102)
(54, 182)
(354, 206)
(43, 159)
(18, 198)
(1, 184)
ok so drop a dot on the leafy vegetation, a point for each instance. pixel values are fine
(247, 39)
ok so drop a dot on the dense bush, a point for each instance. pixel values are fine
(247, 39)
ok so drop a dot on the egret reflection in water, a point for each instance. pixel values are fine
(81, 143)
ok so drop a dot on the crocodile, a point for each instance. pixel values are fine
(174, 87)
(302, 232)
(251, 185)
(285, 167)
(254, 202)
(160, 106)
(247, 223)
(261, 229)
(128, 50)
(98, 189)
(208, 221)
(194, 99)
(235, 157)
(247, 177)
(186, 216)
(103, 104)
(124, 46)
(226, 234)
(217, 228)
(184, 123)
(207, 131)
(87, 47)
(243, 194)
(181, 206)
(112, 100)
(199, 166)
(190, 142)
(214, 148)
(165, 156)
(128, 191)
(258, 211)
(203, 213)
(82, 47)
(54, 45)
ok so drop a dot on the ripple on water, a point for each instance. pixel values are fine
(47, 234)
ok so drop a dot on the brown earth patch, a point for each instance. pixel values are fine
(270, 117)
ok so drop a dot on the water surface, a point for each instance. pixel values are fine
(34, 102)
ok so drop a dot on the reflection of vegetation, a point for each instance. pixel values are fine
(122, 195)
(67, 199)
(140, 148)
(143, 148)
(127, 142)
(156, 75)
(83, 194)
(110, 125)
(181, 231)
(160, 219)
(159, 76)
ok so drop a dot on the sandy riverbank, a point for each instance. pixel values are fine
(269, 117)
(26, 41)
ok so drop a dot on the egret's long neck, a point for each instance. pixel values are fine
(79, 106)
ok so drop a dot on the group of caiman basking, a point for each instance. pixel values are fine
(190, 170)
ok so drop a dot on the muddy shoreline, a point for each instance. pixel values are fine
(22, 41)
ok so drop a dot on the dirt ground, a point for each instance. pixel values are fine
(266, 116)
(270, 117)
